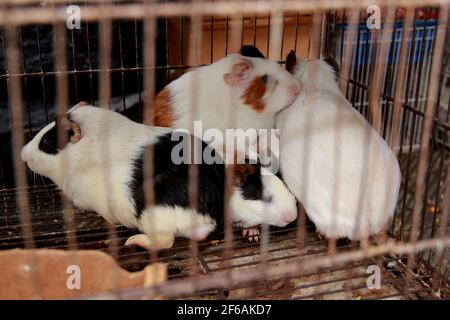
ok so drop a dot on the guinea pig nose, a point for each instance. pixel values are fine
(289, 216)
(23, 154)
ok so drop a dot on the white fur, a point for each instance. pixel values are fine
(366, 183)
(176, 221)
(214, 101)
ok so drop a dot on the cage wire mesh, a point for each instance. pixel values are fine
(123, 52)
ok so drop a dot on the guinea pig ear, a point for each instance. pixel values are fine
(82, 104)
(333, 64)
(63, 122)
(239, 73)
(251, 51)
(291, 61)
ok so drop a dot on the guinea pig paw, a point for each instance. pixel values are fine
(253, 234)
(140, 240)
(321, 236)
(154, 242)
(162, 241)
(199, 234)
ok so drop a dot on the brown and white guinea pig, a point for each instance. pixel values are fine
(256, 89)
(101, 169)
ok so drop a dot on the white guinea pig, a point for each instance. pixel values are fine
(253, 89)
(354, 197)
(101, 168)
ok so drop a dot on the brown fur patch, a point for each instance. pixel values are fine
(241, 171)
(254, 93)
(163, 110)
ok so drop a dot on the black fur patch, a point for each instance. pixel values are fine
(251, 184)
(49, 141)
(334, 65)
(171, 181)
(251, 51)
(291, 61)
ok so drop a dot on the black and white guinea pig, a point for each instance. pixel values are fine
(101, 169)
(256, 89)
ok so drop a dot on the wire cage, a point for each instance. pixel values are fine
(123, 52)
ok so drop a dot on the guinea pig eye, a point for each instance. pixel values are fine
(265, 78)
(48, 143)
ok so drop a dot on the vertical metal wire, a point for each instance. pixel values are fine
(348, 49)
(430, 108)
(122, 72)
(105, 46)
(166, 31)
(313, 53)
(195, 56)
(380, 53)
(41, 69)
(375, 96)
(255, 28)
(242, 30)
(400, 89)
(268, 37)
(62, 102)
(356, 68)
(283, 25)
(136, 57)
(235, 33)
(365, 70)
(181, 25)
(296, 31)
(226, 34)
(406, 126)
(316, 30)
(148, 111)
(379, 68)
(346, 62)
(430, 163)
(400, 80)
(88, 47)
(276, 44)
(440, 252)
(212, 40)
(25, 81)
(17, 124)
(74, 61)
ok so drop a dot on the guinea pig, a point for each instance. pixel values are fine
(355, 195)
(101, 168)
(253, 89)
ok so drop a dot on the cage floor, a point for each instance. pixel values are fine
(340, 282)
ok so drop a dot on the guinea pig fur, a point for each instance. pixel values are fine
(251, 89)
(333, 160)
(103, 170)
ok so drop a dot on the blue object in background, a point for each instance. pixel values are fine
(365, 39)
